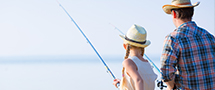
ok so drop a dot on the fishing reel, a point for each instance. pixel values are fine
(161, 85)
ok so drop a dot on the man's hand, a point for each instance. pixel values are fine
(170, 84)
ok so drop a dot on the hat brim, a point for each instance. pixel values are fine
(167, 8)
(135, 44)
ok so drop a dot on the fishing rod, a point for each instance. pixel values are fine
(117, 29)
(107, 68)
(160, 83)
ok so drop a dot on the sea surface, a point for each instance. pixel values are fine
(60, 72)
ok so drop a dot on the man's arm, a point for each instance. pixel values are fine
(169, 61)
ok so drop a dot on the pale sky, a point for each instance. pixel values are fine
(41, 27)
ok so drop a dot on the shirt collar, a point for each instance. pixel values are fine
(186, 23)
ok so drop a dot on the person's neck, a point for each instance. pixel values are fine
(179, 22)
(135, 53)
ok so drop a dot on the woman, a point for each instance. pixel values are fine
(137, 72)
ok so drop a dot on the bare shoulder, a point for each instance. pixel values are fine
(128, 63)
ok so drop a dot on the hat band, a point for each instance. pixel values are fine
(126, 38)
(188, 3)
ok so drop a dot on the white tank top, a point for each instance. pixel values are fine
(146, 72)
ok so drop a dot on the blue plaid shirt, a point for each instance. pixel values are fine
(189, 57)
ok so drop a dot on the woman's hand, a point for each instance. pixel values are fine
(116, 82)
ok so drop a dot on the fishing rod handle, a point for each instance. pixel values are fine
(118, 84)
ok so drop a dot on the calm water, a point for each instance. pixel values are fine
(58, 73)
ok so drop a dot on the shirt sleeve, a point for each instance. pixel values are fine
(169, 59)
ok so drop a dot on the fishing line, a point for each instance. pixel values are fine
(107, 68)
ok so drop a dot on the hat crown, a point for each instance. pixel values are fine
(136, 33)
(181, 2)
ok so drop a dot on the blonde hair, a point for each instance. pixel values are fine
(128, 50)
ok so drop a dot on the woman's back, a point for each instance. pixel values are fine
(146, 73)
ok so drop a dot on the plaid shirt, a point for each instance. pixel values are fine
(189, 57)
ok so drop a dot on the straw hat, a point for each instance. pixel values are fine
(136, 36)
(178, 4)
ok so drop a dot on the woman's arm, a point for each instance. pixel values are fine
(132, 71)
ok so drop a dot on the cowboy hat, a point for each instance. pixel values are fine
(136, 36)
(178, 4)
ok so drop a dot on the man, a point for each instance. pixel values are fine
(188, 57)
